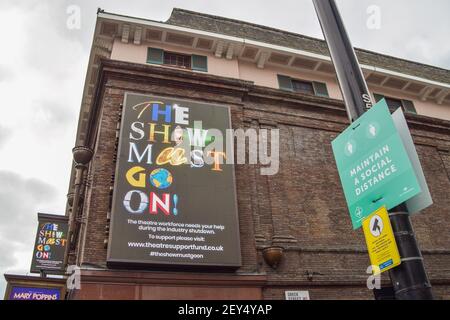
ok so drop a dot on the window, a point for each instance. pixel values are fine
(177, 60)
(307, 87)
(394, 103)
(302, 86)
(161, 57)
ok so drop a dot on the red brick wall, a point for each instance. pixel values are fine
(302, 208)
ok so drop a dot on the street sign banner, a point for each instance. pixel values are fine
(423, 200)
(50, 244)
(373, 165)
(383, 251)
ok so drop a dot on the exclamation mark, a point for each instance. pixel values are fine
(175, 202)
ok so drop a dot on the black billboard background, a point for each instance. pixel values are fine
(50, 259)
(205, 197)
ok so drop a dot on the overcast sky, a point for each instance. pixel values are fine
(43, 64)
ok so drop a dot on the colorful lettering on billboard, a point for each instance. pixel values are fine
(174, 197)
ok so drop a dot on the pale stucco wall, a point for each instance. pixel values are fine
(426, 108)
(246, 70)
(138, 54)
(268, 76)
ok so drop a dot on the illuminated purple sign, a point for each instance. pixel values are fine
(29, 293)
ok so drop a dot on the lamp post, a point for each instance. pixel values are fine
(409, 280)
(81, 156)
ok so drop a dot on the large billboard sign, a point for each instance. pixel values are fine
(174, 200)
(50, 245)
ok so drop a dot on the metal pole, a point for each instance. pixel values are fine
(81, 156)
(409, 280)
(79, 169)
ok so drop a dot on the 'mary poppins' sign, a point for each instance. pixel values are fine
(34, 293)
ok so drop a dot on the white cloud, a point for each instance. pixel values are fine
(20, 200)
(41, 95)
(4, 135)
(411, 29)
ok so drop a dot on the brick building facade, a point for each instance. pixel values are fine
(301, 209)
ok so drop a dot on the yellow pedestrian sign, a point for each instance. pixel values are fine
(380, 241)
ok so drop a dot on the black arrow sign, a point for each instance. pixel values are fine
(376, 226)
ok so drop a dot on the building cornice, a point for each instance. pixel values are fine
(264, 46)
(174, 278)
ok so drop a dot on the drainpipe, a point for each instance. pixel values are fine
(81, 156)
